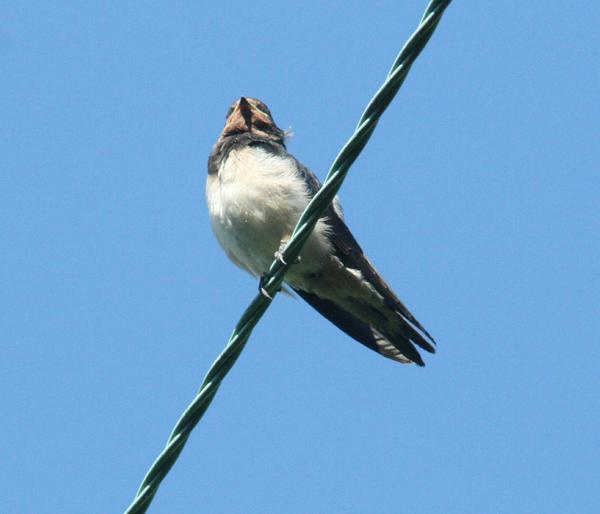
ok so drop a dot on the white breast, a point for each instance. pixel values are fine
(254, 202)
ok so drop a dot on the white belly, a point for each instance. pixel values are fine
(254, 202)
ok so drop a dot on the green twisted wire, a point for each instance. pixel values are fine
(274, 277)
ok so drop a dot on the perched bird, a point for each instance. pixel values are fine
(256, 192)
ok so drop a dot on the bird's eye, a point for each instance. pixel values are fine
(262, 125)
(257, 104)
(265, 109)
(231, 109)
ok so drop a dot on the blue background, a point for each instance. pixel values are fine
(477, 198)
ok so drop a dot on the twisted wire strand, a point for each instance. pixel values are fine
(274, 277)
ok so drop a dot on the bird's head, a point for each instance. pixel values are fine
(249, 115)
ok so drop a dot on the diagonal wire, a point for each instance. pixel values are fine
(274, 277)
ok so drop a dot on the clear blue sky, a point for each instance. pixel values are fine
(477, 198)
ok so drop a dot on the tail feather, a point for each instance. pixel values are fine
(398, 348)
(406, 328)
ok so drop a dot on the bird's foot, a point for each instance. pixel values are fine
(261, 287)
(279, 254)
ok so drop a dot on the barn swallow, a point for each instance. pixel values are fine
(256, 192)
